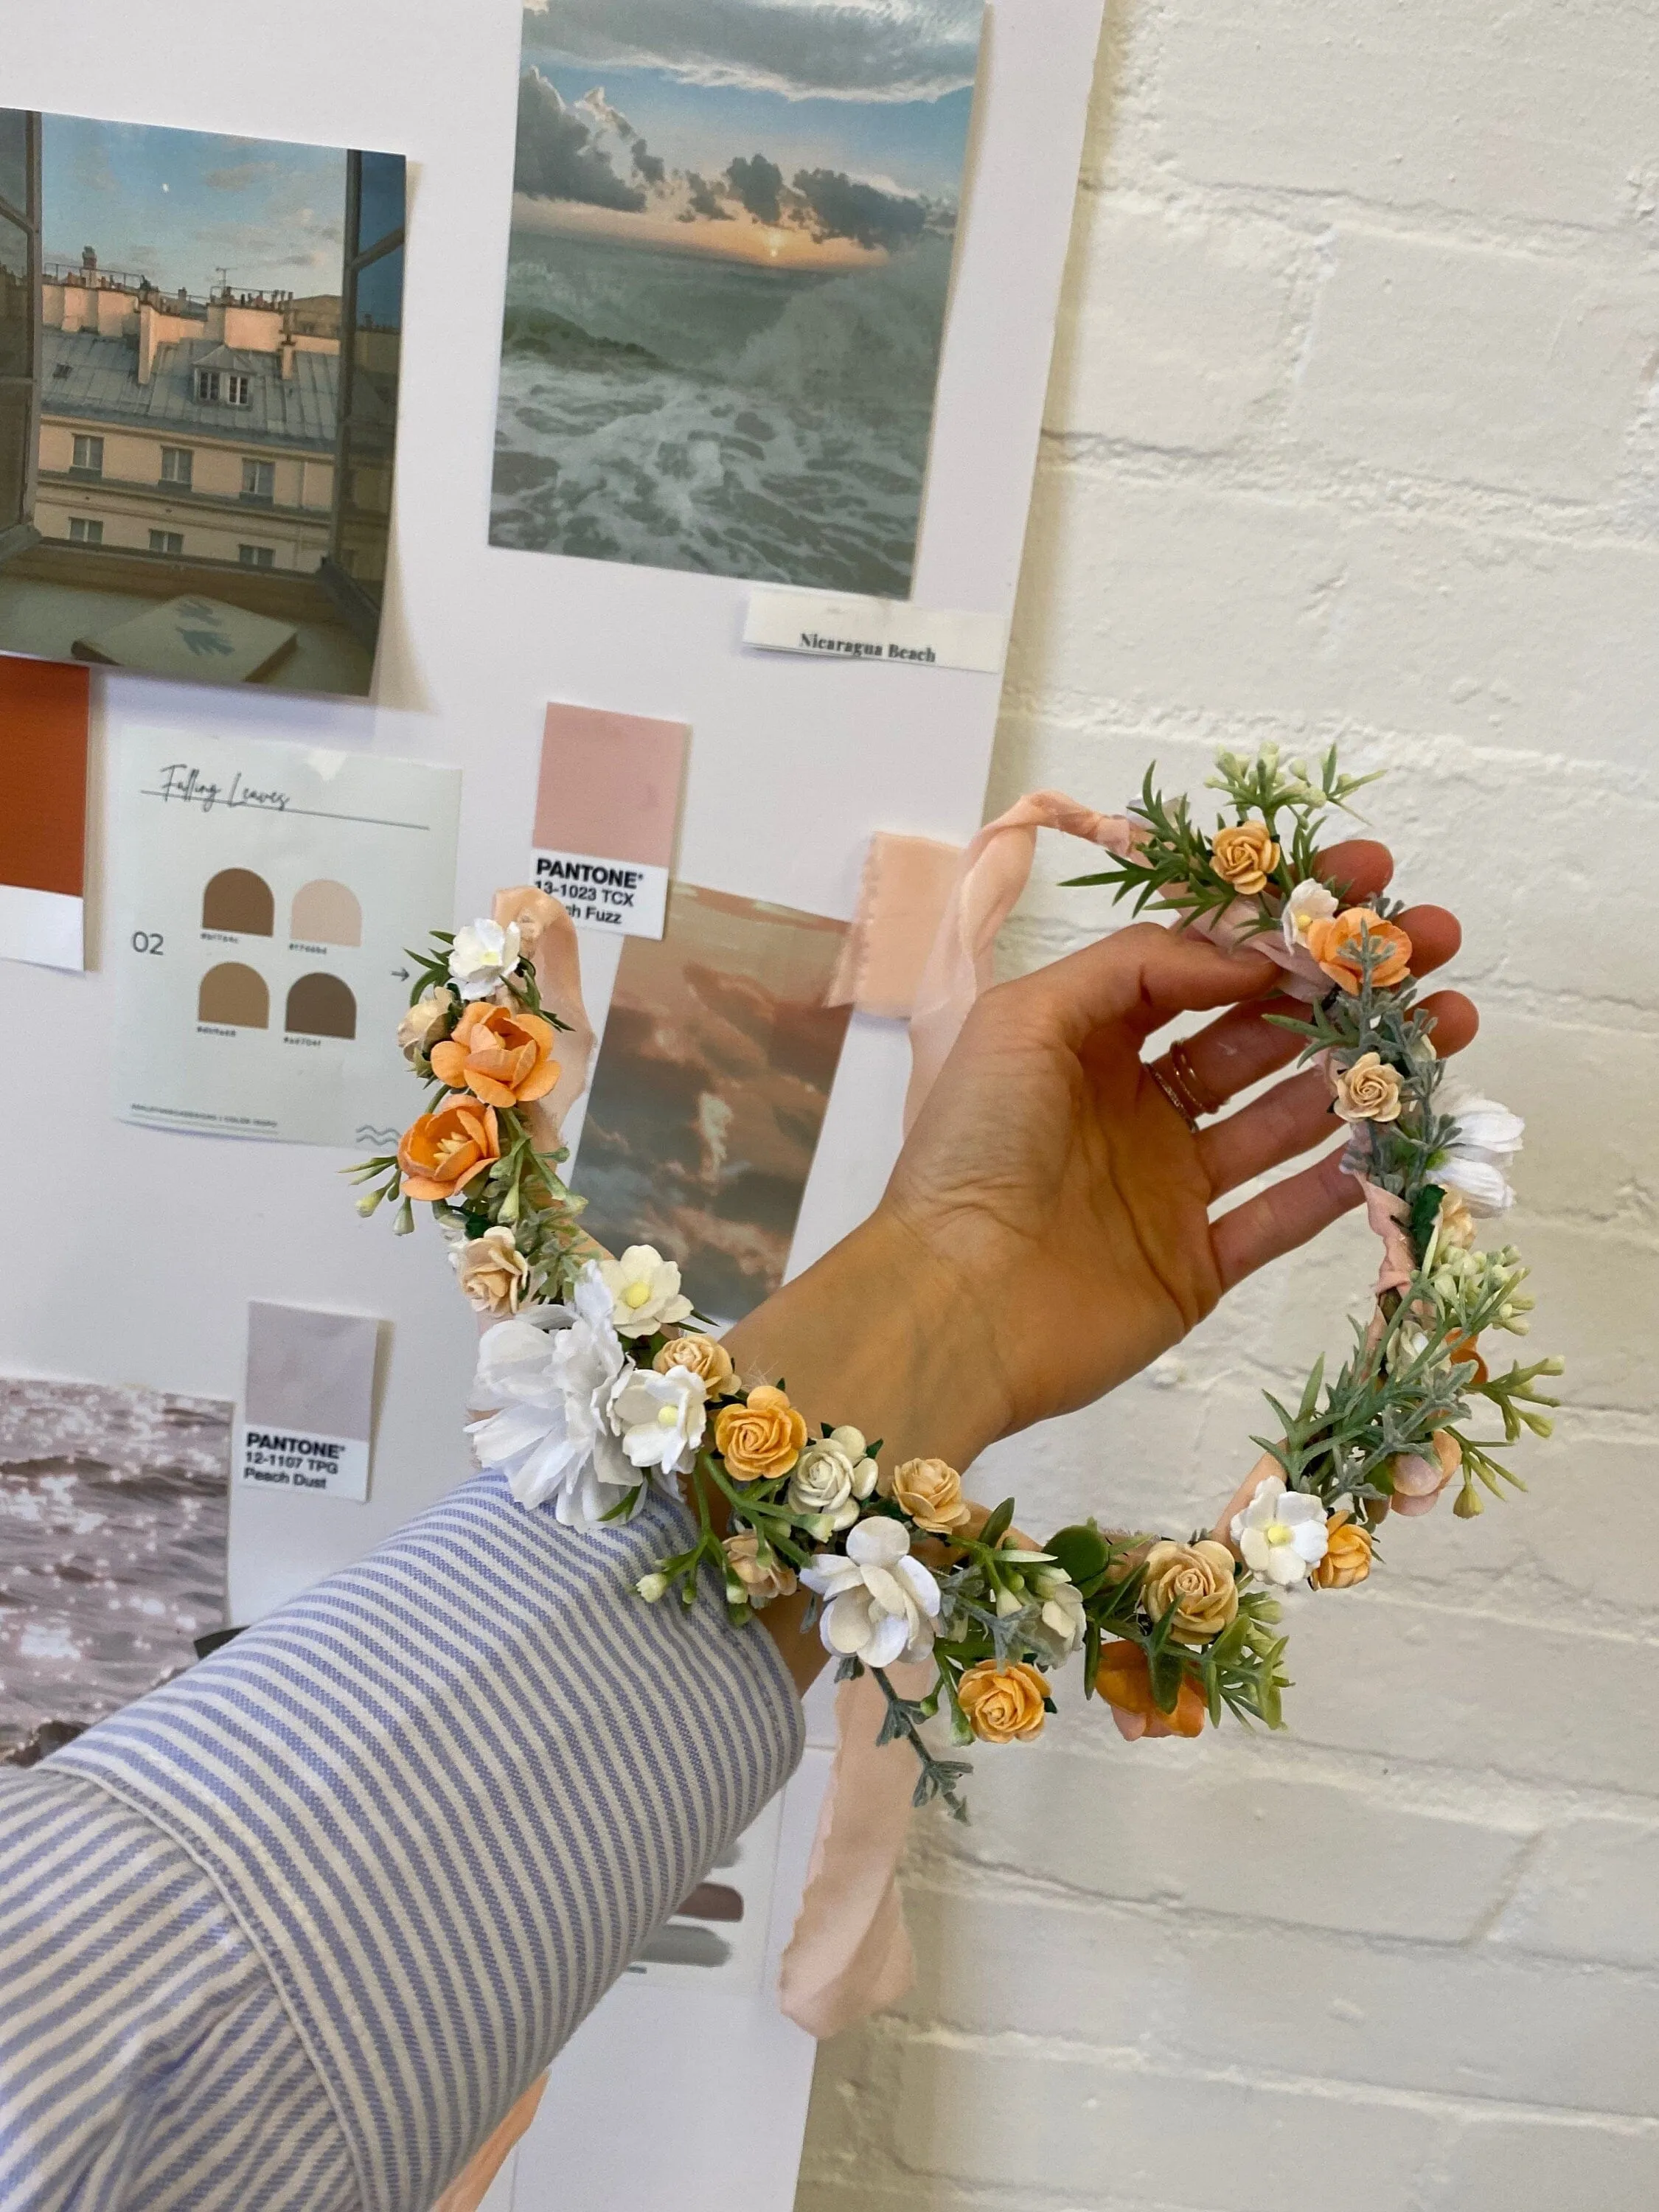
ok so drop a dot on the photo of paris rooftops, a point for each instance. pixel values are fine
(195, 465)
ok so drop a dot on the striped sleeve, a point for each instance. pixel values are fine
(404, 1835)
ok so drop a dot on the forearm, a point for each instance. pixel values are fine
(874, 1335)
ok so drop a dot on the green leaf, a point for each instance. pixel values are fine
(997, 1527)
(1081, 1551)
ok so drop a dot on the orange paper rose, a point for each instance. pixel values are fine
(1245, 856)
(1002, 1704)
(443, 1151)
(502, 1055)
(1334, 944)
(760, 1439)
(1347, 1557)
(1124, 1679)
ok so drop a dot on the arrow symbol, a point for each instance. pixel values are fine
(402, 975)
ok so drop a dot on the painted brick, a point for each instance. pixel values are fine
(1173, 1989)
(1011, 2117)
(1544, 111)
(1145, 1823)
(1514, 2165)
(1472, 366)
(1180, 333)
(1589, 1894)
(1178, 595)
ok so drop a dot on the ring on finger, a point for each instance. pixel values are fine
(1181, 1084)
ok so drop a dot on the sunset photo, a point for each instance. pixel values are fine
(732, 236)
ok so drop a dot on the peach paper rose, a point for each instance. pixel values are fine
(1124, 1679)
(442, 1152)
(1369, 1090)
(930, 1493)
(1334, 944)
(1196, 1582)
(762, 1439)
(705, 1356)
(1003, 1705)
(1347, 1557)
(501, 1055)
(1244, 856)
(762, 1579)
(492, 1271)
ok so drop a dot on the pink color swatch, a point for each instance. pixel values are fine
(610, 786)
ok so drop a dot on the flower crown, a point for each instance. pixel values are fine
(600, 1385)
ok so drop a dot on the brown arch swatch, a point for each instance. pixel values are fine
(326, 913)
(238, 899)
(321, 1006)
(234, 996)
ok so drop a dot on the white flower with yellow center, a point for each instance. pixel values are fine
(1310, 901)
(879, 1603)
(1281, 1534)
(645, 1292)
(659, 1418)
(482, 957)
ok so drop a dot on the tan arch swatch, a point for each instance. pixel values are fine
(321, 1006)
(238, 900)
(234, 996)
(326, 913)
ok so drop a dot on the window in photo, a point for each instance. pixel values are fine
(167, 541)
(83, 530)
(257, 556)
(88, 457)
(177, 466)
(260, 481)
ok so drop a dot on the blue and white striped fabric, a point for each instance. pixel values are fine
(298, 1929)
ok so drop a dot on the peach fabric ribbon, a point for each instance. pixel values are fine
(471, 2184)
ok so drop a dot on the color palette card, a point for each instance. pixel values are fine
(308, 1408)
(43, 812)
(607, 811)
(263, 896)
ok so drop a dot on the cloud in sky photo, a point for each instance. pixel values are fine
(177, 206)
(768, 417)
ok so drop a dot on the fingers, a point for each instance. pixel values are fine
(1295, 1115)
(1359, 869)
(1142, 977)
(1281, 1220)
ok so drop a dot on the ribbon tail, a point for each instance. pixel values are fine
(550, 941)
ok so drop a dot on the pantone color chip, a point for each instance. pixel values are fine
(607, 812)
(43, 812)
(308, 1406)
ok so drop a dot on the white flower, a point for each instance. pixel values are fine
(550, 1381)
(659, 1418)
(879, 1603)
(1308, 902)
(831, 1478)
(1281, 1533)
(1486, 1138)
(482, 957)
(1061, 1601)
(645, 1291)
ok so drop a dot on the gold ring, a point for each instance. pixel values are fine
(1178, 1080)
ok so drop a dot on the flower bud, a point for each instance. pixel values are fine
(1006, 1603)
(652, 1587)
(369, 1201)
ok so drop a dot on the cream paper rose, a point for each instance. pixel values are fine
(423, 1020)
(832, 1479)
(1369, 1090)
(704, 1355)
(1193, 1582)
(492, 1272)
(930, 1493)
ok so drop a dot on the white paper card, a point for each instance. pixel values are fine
(263, 897)
(303, 1460)
(45, 927)
(837, 626)
(308, 1406)
(623, 897)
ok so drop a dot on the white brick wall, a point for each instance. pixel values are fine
(1354, 431)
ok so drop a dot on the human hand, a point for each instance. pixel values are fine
(1057, 1204)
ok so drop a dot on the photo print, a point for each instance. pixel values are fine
(733, 232)
(713, 1080)
(199, 357)
(114, 1518)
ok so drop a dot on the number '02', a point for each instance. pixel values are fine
(147, 940)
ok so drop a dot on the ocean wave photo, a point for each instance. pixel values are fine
(726, 297)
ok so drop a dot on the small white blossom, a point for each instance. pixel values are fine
(482, 957)
(645, 1292)
(659, 1418)
(1308, 902)
(1281, 1533)
(652, 1587)
(831, 1478)
(1486, 1138)
(550, 1381)
(880, 1604)
(1062, 1614)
